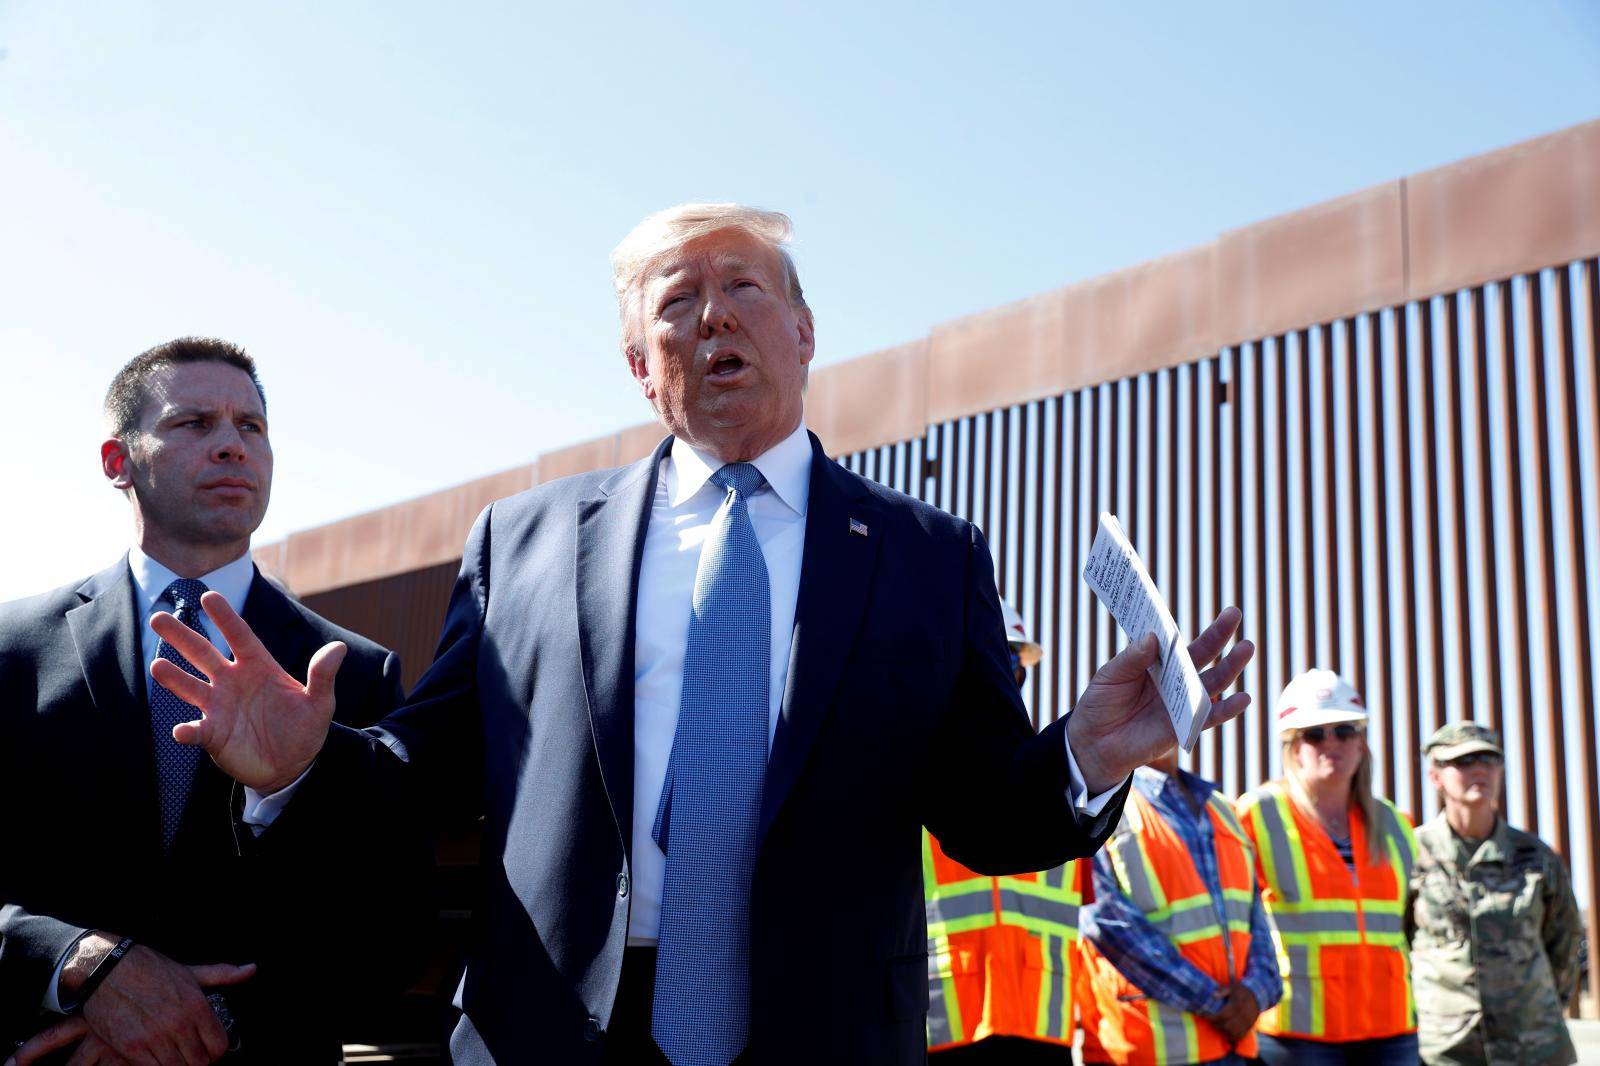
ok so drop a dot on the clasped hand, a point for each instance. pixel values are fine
(150, 1009)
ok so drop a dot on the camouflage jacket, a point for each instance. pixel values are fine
(1495, 935)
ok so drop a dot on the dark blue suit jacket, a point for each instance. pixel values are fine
(80, 838)
(900, 711)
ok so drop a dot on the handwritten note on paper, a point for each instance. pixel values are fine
(1117, 575)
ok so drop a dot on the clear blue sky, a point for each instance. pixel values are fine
(404, 211)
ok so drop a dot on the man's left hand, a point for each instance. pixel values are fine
(1120, 722)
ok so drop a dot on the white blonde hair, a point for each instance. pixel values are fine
(665, 232)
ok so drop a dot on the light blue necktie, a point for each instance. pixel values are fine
(711, 804)
(175, 763)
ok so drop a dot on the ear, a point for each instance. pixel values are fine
(807, 328)
(1433, 776)
(639, 367)
(116, 463)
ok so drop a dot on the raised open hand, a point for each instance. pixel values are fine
(259, 725)
(1120, 723)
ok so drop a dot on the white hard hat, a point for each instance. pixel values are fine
(1017, 636)
(1318, 697)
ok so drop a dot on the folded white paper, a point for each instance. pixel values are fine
(1117, 575)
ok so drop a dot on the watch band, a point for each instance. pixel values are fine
(101, 971)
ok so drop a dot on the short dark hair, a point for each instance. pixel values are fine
(130, 388)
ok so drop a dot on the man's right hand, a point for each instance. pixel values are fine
(148, 1009)
(1238, 1014)
(259, 725)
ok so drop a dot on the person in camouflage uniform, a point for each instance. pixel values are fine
(1493, 924)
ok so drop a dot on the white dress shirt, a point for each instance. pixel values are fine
(150, 581)
(680, 520)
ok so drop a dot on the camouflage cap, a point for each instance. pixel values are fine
(1462, 738)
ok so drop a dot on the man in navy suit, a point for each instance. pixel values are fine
(111, 832)
(617, 645)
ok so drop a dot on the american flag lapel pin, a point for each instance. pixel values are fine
(857, 527)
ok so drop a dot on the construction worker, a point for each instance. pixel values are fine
(1176, 944)
(1000, 949)
(1334, 862)
(1494, 928)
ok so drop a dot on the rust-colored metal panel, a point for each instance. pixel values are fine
(877, 399)
(1410, 665)
(1358, 569)
(398, 539)
(1581, 503)
(1040, 503)
(1585, 516)
(1477, 392)
(1456, 391)
(1329, 499)
(1265, 653)
(1521, 656)
(636, 442)
(1306, 504)
(1380, 516)
(1002, 545)
(961, 357)
(1324, 262)
(1520, 208)
(1072, 519)
(403, 612)
(1434, 498)
(1549, 618)
(1241, 734)
(597, 454)
(1147, 317)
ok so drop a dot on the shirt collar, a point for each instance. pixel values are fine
(786, 466)
(150, 579)
(1153, 783)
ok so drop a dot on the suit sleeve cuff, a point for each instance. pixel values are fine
(1078, 792)
(261, 811)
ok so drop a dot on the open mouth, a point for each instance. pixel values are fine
(726, 365)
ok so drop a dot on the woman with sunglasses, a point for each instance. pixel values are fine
(1334, 862)
(1495, 931)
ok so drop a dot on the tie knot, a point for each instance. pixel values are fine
(743, 478)
(184, 595)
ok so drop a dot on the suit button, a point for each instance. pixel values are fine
(591, 1029)
(622, 886)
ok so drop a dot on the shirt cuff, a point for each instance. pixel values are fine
(1078, 791)
(52, 991)
(261, 811)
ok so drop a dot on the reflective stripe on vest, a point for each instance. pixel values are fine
(965, 915)
(1357, 914)
(1156, 871)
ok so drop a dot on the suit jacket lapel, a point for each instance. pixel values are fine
(106, 630)
(834, 577)
(610, 550)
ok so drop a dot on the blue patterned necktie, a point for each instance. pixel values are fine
(711, 803)
(175, 763)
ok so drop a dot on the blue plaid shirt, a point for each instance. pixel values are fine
(1143, 953)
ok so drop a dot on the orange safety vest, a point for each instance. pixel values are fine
(1156, 872)
(1340, 937)
(999, 951)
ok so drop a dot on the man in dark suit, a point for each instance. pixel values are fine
(702, 702)
(112, 832)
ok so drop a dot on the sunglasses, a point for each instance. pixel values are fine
(1476, 758)
(1342, 733)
